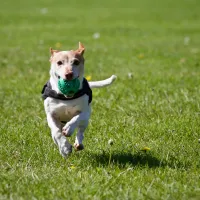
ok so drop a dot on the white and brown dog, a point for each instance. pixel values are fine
(65, 114)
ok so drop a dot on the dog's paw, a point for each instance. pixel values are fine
(78, 147)
(68, 130)
(66, 150)
(65, 147)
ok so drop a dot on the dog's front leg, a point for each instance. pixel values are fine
(70, 126)
(65, 147)
(80, 121)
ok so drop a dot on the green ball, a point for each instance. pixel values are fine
(68, 88)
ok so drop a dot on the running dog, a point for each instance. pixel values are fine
(66, 112)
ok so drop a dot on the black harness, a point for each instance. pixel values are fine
(48, 92)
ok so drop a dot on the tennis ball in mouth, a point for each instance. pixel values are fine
(68, 87)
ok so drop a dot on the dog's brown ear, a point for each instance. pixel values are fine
(53, 51)
(81, 48)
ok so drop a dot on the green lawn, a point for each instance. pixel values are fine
(158, 106)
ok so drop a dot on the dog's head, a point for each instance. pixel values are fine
(67, 65)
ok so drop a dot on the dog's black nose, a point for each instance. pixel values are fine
(69, 76)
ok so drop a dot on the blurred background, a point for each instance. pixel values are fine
(147, 39)
(115, 33)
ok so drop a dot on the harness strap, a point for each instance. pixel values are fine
(48, 92)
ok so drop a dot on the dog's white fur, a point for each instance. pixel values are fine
(77, 111)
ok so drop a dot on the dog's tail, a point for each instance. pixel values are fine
(103, 83)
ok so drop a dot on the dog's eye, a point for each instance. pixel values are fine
(59, 62)
(76, 62)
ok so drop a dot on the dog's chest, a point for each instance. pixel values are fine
(66, 109)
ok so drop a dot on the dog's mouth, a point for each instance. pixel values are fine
(68, 87)
(59, 77)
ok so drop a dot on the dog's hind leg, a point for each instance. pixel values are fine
(78, 145)
(65, 147)
(83, 123)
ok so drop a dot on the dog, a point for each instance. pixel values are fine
(64, 112)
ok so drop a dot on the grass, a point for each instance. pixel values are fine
(158, 43)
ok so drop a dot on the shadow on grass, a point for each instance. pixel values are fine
(123, 159)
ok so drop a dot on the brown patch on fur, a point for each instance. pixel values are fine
(81, 49)
(71, 55)
(52, 53)
(77, 54)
